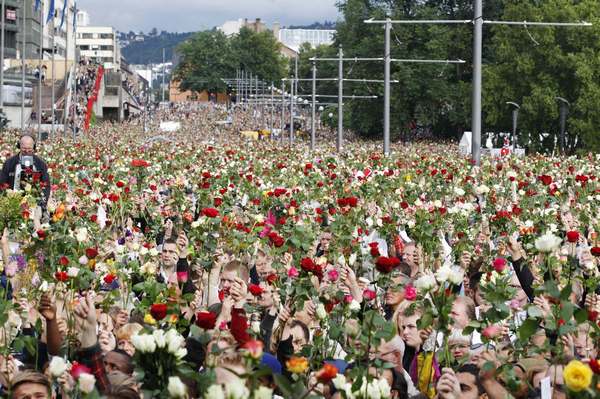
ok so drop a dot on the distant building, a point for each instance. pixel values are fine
(10, 28)
(178, 96)
(294, 38)
(230, 28)
(99, 44)
(83, 18)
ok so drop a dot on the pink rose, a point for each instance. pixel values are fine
(348, 298)
(293, 272)
(491, 332)
(333, 275)
(410, 293)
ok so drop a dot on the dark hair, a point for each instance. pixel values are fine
(121, 392)
(169, 240)
(399, 384)
(29, 377)
(303, 326)
(474, 370)
(129, 365)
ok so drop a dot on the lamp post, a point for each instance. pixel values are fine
(564, 109)
(515, 117)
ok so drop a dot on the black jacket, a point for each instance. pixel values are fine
(7, 175)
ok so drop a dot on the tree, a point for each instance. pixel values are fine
(205, 60)
(259, 53)
(534, 66)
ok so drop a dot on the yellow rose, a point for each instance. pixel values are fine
(297, 365)
(577, 376)
(148, 319)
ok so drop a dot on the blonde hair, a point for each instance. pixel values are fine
(127, 331)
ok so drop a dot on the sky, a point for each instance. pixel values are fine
(195, 15)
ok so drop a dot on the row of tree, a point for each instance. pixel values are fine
(530, 66)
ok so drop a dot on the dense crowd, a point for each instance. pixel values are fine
(199, 264)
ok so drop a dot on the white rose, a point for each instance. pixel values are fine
(263, 393)
(181, 353)
(44, 286)
(195, 224)
(352, 259)
(255, 326)
(236, 389)
(153, 252)
(459, 191)
(373, 391)
(214, 392)
(369, 221)
(143, 251)
(176, 388)
(321, 312)
(425, 283)
(81, 234)
(57, 366)
(437, 203)
(73, 271)
(456, 276)
(174, 341)
(339, 382)
(443, 274)
(159, 338)
(135, 246)
(384, 388)
(354, 306)
(83, 260)
(144, 343)
(483, 189)
(547, 243)
(87, 382)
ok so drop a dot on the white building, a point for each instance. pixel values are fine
(230, 28)
(294, 38)
(83, 18)
(64, 38)
(99, 44)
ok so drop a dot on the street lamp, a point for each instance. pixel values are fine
(515, 117)
(564, 109)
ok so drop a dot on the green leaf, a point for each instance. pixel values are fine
(581, 316)
(527, 329)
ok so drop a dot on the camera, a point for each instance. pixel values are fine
(26, 161)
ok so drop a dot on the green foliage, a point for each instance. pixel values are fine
(210, 56)
(534, 66)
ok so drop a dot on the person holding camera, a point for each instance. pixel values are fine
(26, 168)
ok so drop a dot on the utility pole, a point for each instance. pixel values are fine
(386, 91)
(23, 47)
(313, 135)
(163, 75)
(39, 110)
(282, 111)
(340, 132)
(476, 102)
(2, 28)
(53, 71)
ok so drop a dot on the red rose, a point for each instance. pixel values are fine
(158, 311)
(592, 315)
(64, 261)
(342, 202)
(352, 202)
(410, 293)
(404, 205)
(255, 289)
(210, 212)
(369, 295)
(546, 180)
(307, 264)
(385, 265)
(61, 276)
(41, 234)
(271, 278)
(595, 251)
(109, 278)
(595, 366)
(206, 320)
(91, 253)
(218, 201)
(499, 264)
(573, 236)
(327, 373)
(120, 184)
(139, 163)
(77, 369)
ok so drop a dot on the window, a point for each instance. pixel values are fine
(87, 36)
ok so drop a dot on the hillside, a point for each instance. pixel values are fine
(147, 48)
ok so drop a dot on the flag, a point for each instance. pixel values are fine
(50, 12)
(37, 4)
(64, 12)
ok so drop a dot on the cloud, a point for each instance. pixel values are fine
(193, 15)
